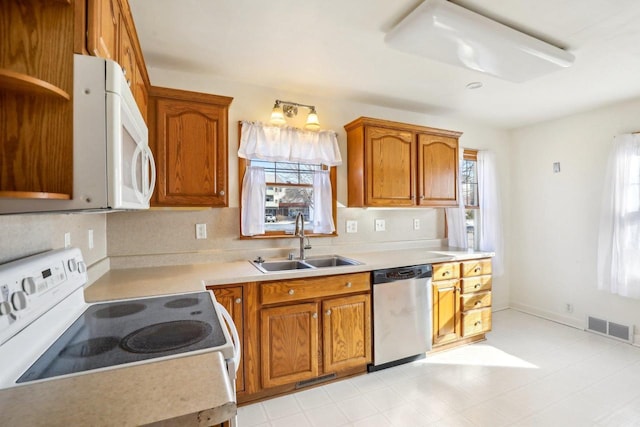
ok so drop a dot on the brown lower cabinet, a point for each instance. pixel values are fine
(461, 302)
(299, 332)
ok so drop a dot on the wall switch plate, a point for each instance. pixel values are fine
(380, 225)
(352, 226)
(416, 224)
(90, 238)
(201, 231)
(556, 167)
(67, 239)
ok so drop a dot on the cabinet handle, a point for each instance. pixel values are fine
(221, 193)
(124, 71)
(421, 197)
(348, 285)
(328, 312)
(478, 323)
(446, 273)
(477, 286)
(314, 315)
(291, 292)
(238, 300)
(478, 303)
(475, 270)
(458, 289)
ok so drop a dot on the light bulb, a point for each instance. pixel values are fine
(312, 120)
(277, 115)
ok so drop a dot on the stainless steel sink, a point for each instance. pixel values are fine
(309, 263)
(331, 261)
(268, 266)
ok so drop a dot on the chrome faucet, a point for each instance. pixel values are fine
(299, 232)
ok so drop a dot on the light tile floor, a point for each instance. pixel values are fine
(529, 372)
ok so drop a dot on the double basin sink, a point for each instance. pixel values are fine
(309, 263)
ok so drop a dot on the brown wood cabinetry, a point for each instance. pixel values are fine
(231, 298)
(395, 164)
(188, 134)
(307, 332)
(36, 112)
(461, 301)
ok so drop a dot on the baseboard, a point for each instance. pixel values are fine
(549, 315)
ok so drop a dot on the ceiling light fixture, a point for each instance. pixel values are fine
(290, 109)
(446, 32)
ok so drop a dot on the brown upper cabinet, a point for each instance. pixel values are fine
(393, 164)
(36, 85)
(188, 134)
(111, 34)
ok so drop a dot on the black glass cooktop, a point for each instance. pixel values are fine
(115, 333)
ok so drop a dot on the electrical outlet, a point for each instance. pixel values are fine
(90, 238)
(416, 224)
(352, 226)
(201, 231)
(67, 239)
(556, 167)
(380, 225)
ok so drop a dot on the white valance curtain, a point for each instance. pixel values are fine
(490, 229)
(288, 144)
(254, 190)
(619, 235)
(322, 203)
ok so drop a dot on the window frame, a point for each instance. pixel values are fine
(242, 166)
(472, 155)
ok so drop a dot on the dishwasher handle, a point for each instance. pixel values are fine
(402, 273)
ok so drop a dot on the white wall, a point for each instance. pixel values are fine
(170, 235)
(555, 216)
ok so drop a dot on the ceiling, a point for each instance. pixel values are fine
(336, 49)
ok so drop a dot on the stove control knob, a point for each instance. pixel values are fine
(29, 285)
(82, 267)
(73, 265)
(19, 300)
(5, 308)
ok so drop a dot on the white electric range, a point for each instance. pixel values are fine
(48, 331)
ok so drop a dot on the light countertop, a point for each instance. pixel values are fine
(149, 281)
(191, 390)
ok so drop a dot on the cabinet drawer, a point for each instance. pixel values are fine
(315, 287)
(476, 321)
(476, 267)
(445, 271)
(476, 284)
(476, 300)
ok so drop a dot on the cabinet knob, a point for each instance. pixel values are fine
(477, 269)
(328, 312)
(477, 285)
(478, 303)
(348, 285)
(478, 323)
(238, 300)
(314, 315)
(221, 193)
(291, 292)
(446, 273)
(458, 289)
(421, 197)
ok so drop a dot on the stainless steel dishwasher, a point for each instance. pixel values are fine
(401, 315)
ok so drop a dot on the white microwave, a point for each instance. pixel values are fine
(113, 167)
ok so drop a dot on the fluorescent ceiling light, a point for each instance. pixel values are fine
(446, 32)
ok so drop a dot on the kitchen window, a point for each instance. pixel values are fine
(469, 184)
(289, 191)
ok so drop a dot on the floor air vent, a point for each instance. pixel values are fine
(610, 329)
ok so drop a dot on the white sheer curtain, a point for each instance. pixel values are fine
(456, 229)
(619, 237)
(288, 144)
(254, 190)
(322, 203)
(490, 237)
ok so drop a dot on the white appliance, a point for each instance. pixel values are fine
(48, 331)
(113, 167)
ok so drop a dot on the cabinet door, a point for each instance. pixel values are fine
(190, 149)
(438, 166)
(289, 348)
(232, 299)
(103, 21)
(446, 311)
(346, 332)
(390, 167)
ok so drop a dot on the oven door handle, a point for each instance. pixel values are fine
(234, 334)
